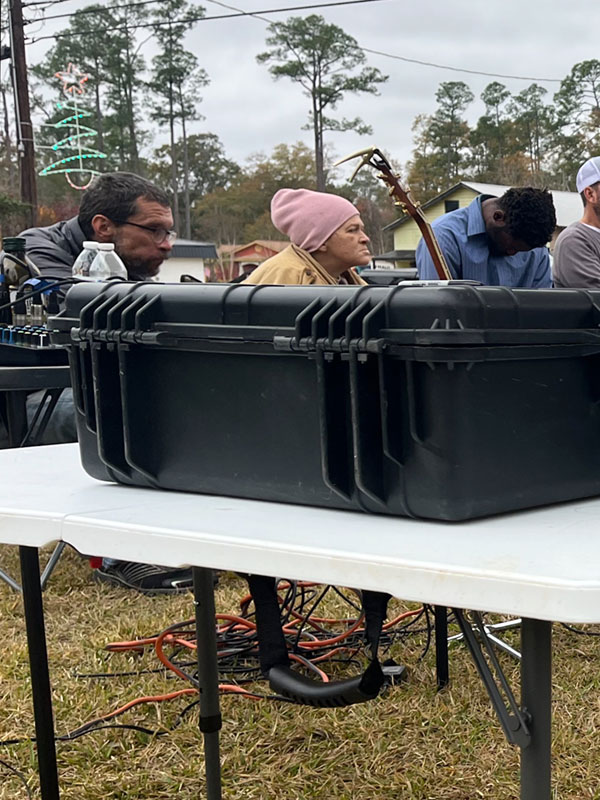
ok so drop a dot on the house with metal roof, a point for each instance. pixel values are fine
(237, 260)
(407, 235)
(187, 258)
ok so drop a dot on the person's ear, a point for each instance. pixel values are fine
(104, 228)
(499, 216)
(322, 248)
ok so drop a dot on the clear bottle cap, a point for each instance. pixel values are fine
(106, 246)
(90, 245)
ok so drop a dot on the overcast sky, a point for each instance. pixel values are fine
(251, 112)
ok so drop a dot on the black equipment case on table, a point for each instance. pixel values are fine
(444, 402)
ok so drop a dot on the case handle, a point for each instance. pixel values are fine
(335, 455)
(366, 429)
(105, 369)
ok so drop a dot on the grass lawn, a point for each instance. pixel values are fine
(411, 743)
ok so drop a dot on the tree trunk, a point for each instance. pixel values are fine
(99, 119)
(10, 167)
(133, 146)
(186, 171)
(174, 187)
(318, 131)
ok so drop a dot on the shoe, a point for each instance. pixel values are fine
(146, 578)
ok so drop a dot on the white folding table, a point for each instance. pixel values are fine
(542, 565)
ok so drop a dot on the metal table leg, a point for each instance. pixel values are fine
(536, 697)
(7, 579)
(441, 645)
(40, 677)
(208, 678)
(16, 414)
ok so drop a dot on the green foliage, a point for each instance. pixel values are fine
(240, 212)
(115, 68)
(521, 139)
(176, 78)
(13, 215)
(449, 130)
(209, 168)
(577, 105)
(323, 59)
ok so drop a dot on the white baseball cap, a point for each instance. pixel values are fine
(588, 174)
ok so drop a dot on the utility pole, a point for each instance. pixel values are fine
(22, 109)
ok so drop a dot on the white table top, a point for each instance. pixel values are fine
(543, 563)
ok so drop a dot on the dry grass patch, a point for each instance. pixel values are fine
(411, 744)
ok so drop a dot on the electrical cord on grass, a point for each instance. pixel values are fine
(312, 641)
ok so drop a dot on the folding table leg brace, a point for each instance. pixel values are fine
(40, 676)
(527, 725)
(208, 678)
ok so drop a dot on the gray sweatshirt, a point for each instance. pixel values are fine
(577, 257)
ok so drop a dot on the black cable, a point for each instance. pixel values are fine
(579, 631)
(59, 282)
(131, 674)
(41, 290)
(307, 615)
(70, 737)
(20, 776)
(354, 605)
(427, 610)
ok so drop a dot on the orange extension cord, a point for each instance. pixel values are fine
(235, 623)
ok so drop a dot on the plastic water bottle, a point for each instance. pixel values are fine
(83, 262)
(107, 264)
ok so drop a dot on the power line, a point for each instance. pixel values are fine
(460, 69)
(93, 11)
(233, 8)
(415, 60)
(240, 13)
(47, 3)
(189, 20)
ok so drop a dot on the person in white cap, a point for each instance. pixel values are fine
(577, 250)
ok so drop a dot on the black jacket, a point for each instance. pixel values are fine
(54, 249)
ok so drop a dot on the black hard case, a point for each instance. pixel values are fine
(446, 402)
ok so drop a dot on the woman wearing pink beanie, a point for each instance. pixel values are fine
(327, 239)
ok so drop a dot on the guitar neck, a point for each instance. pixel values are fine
(435, 251)
(407, 203)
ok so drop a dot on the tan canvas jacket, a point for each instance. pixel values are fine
(295, 266)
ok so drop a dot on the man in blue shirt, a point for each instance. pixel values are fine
(498, 241)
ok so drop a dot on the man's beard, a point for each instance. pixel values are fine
(138, 270)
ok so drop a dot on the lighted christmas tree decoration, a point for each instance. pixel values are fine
(75, 153)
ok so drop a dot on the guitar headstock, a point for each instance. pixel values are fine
(402, 198)
(373, 157)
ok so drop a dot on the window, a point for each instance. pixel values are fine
(450, 205)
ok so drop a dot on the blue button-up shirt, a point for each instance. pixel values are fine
(464, 242)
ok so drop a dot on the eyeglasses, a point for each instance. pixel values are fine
(159, 235)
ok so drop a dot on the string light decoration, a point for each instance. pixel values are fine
(77, 163)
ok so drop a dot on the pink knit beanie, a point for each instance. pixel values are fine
(309, 218)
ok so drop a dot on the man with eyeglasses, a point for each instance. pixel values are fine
(118, 207)
(135, 216)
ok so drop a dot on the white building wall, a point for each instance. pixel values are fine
(173, 268)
